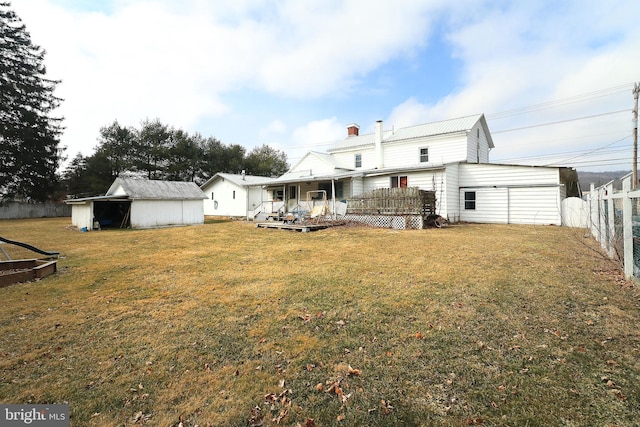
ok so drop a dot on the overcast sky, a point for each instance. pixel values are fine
(552, 77)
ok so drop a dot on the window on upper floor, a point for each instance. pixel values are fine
(358, 160)
(399, 181)
(470, 200)
(234, 194)
(424, 155)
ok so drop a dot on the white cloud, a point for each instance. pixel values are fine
(319, 133)
(410, 112)
(185, 63)
(528, 53)
(177, 62)
(277, 127)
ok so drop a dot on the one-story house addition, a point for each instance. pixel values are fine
(233, 195)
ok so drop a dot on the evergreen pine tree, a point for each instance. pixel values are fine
(29, 136)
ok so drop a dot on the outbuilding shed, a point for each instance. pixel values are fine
(140, 203)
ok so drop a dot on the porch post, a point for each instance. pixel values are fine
(333, 197)
(247, 203)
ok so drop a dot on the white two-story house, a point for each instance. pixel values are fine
(449, 157)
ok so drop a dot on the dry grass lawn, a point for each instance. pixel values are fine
(225, 324)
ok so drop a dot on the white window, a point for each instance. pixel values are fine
(358, 160)
(424, 155)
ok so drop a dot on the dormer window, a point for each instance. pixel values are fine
(358, 160)
(424, 155)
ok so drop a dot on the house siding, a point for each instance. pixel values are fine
(511, 194)
(222, 190)
(154, 213)
(491, 205)
(310, 163)
(81, 215)
(348, 158)
(506, 175)
(450, 206)
(535, 206)
(478, 146)
(357, 187)
(443, 149)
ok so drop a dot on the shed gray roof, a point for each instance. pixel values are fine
(153, 189)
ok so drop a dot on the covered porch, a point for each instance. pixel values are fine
(293, 199)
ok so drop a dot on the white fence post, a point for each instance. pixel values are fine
(593, 211)
(602, 231)
(627, 224)
(611, 224)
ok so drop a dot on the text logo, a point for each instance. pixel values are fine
(34, 415)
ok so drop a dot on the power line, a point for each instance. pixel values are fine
(560, 102)
(556, 155)
(562, 121)
(597, 149)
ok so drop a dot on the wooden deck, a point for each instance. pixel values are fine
(304, 228)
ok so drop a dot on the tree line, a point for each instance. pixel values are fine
(159, 151)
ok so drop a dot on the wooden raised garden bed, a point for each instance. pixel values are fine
(24, 270)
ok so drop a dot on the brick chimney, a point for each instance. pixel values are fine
(353, 130)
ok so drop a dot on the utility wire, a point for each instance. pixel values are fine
(562, 121)
(560, 102)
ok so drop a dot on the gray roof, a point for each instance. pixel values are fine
(152, 189)
(358, 141)
(461, 124)
(239, 179)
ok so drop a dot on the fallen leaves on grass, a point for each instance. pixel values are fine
(141, 418)
(353, 372)
(335, 387)
(256, 418)
(279, 405)
(386, 407)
